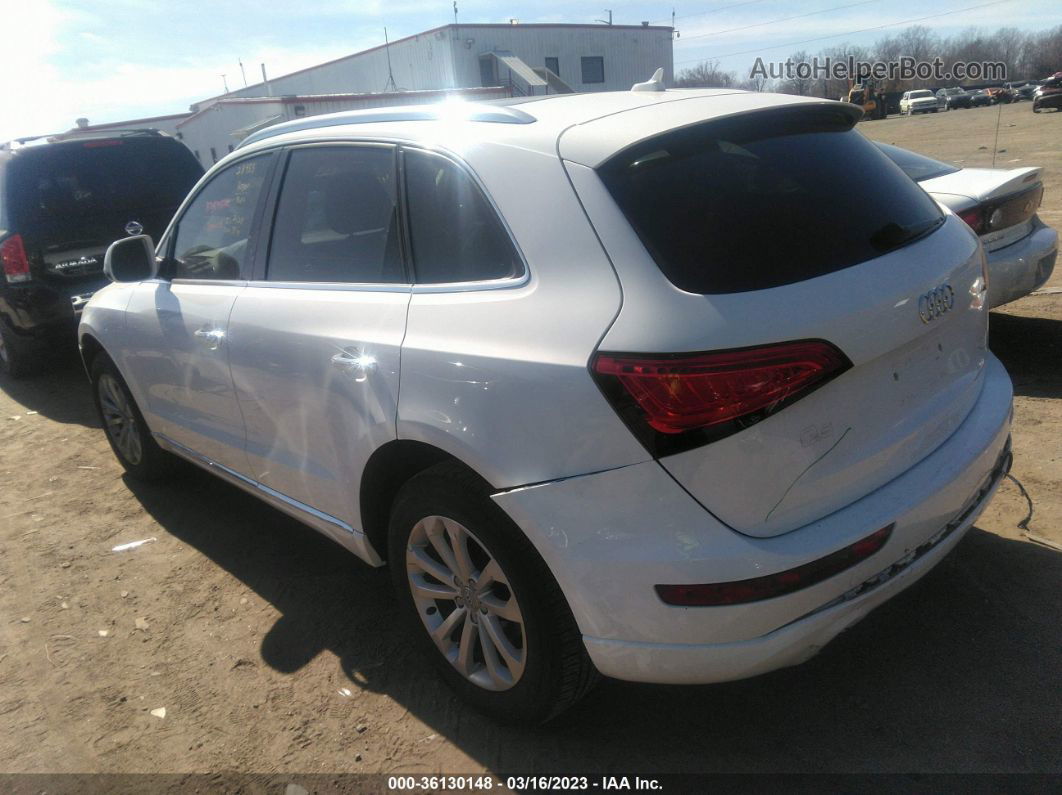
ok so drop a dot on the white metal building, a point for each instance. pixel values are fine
(478, 61)
(579, 57)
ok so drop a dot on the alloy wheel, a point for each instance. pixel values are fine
(119, 419)
(465, 601)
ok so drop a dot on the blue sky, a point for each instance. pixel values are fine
(120, 59)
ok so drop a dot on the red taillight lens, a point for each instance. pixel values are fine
(974, 218)
(784, 582)
(683, 393)
(14, 260)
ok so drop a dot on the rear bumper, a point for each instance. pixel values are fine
(1024, 266)
(610, 537)
(42, 312)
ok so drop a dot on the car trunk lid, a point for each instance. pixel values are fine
(911, 319)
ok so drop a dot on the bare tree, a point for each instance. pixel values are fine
(795, 84)
(706, 74)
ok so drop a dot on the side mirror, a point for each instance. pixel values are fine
(131, 259)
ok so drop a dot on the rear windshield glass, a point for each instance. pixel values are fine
(917, 167)
(76, 185)
(767, 199)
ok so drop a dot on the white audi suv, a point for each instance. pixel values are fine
(669, 386)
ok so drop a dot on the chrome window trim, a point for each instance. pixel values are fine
(373, 287)
(360, 287)
(510, 283)
(218, 282)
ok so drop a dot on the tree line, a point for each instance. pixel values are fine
(1027, 56)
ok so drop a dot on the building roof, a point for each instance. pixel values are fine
(301, 99)
(451, 26)
(145, 122)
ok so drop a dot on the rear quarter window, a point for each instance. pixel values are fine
(455, 234)
(764, 200)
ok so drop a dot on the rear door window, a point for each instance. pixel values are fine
(764, 200)
(337, 218)
(456, 235)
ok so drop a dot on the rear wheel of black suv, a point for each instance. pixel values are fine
(128, 434)
(482, 603)
(15, 359)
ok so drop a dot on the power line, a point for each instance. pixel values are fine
(712, 11)
(847, 33)
(782, 19)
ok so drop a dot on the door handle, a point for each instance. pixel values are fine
(353, 363)
(210, 337)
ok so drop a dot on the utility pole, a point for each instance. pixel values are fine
(606, 21)
(225, 83)
(242, 72)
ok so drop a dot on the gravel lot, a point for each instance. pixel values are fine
(272, 650)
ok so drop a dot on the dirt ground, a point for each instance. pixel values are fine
(272, 650)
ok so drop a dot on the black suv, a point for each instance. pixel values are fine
(63, 200)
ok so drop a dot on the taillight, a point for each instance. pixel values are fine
(14, 260)
(975, 219)
(717, 594)
(679, 394)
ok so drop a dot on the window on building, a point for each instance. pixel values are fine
(337, 218)
(553, 64)
(456, 235)
(593, 69)
(211, 239)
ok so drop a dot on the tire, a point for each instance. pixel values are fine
(16, 360)
(547, 669)
(123, 424)
(1036, 108)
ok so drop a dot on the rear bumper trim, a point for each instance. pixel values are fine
(797, 641)
(977, 502)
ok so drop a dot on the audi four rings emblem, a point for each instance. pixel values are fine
(936, 302)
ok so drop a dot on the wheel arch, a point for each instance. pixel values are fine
(89, 347)
(387, 470)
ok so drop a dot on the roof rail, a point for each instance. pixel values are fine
(33, 141)
(457, 111)
(112, 132)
